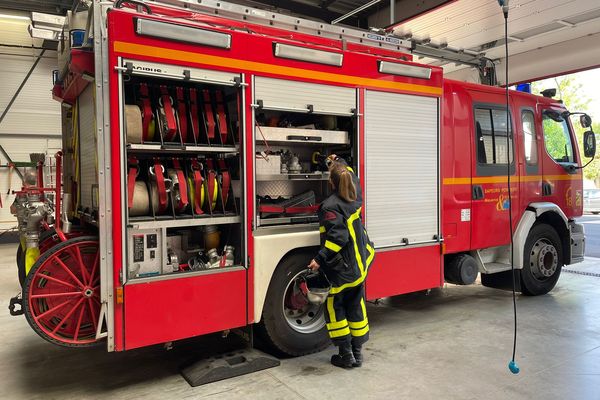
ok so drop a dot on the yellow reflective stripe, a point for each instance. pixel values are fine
(335, 290)
(371, 255)
(363, 308)
(340, 332)
(337, 325)
(332, 246)
(330, 309)
(350, 222)
(358, 325)
(360, 332)
(350, 169)
(322, 229)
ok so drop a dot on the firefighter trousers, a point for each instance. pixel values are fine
(346, 317)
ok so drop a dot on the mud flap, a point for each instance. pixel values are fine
(232, 364)
(502, 280)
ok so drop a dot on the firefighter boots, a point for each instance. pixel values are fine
(345, 358)
(358, 358)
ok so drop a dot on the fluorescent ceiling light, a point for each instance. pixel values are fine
(308, 55)
(48, 19)
(588, 16)
(413, 71)
(181, 33)
(42, 33)
(10, 16)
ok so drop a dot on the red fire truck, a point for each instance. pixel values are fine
(192, 139)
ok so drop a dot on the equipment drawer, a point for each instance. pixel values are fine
(161, 311)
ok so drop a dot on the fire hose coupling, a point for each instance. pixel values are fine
(37, 211)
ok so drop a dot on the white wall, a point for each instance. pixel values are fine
(33, 123)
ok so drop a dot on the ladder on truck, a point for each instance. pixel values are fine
(377, 38)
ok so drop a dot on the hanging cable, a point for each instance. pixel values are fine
(512, 365)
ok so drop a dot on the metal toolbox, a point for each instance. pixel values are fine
(301, 135)
(268, 165)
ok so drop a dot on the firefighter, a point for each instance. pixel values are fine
(345, 256)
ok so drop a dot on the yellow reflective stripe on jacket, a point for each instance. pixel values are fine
(350, 222)
(340, 332)
(335, 290)
(360, 332)
(321, 229)
(371, 255)
(332, 246)
(337, 325)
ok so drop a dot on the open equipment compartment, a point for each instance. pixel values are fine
(297, 125)
(184, 200)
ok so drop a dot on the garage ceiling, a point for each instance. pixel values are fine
(551, 36)
(43, 6)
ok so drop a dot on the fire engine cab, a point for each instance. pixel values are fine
(191, 176)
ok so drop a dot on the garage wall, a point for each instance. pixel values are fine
(33, 123)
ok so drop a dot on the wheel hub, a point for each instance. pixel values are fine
(543, 259)
(88, 292)
(303, 318)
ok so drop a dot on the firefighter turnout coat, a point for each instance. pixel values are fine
(346, 252)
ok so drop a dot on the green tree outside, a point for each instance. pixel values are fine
(569, 89)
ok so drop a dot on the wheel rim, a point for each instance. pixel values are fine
(306, 319)
(64, 293)
(543, 259)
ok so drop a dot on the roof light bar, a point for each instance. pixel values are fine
(308, 55)
(181, 33)
(413, 71)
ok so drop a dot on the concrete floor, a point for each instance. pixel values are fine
(452, 344)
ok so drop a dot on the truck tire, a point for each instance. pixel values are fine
(542, 260)
(461, 269)
(284, 330)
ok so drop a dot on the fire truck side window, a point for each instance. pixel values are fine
(557, 139)
(530, 138)
(490, 126)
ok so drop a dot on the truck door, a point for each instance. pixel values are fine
(561, 184)
(530, 170)
(489, 210)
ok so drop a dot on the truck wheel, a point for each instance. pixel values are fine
(542, 262)
(290, 327)
(461, 269)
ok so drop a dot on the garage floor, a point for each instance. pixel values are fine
(452, 344)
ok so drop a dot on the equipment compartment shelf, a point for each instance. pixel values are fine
(293, 177)
(158, 148)
(184, 222)
(300, 135)
(187, 274)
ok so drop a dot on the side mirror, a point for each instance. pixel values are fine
(589, 144)
(585, 121)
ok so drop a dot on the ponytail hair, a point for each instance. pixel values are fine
(342, 181)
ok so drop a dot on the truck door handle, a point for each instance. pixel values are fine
(477, 192)
(546, 189)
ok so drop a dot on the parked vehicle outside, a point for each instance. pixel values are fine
(591, 201)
